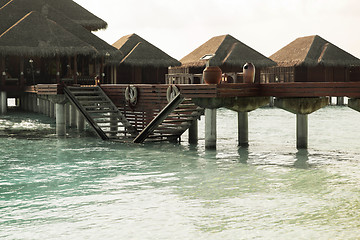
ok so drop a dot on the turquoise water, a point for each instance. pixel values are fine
(83, 188)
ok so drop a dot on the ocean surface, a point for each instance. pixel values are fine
(81, 187)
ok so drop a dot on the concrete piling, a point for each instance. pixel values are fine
(3, 102)
(243, 129)
(193, 132)
(60, 120)
(210, 128)
(301, 131)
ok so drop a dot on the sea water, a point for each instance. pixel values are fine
(81, 187)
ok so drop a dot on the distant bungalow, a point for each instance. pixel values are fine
(39, 43)
(228, 53)
(142, 62)
(312, 59)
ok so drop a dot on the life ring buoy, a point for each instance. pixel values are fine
(131, 95)
(171, 92)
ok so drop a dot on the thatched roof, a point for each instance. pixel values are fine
(3, 2)
(78, 14)
(139, 52)
(67, 7)
(228, 51)
(15, 10)
(313, 51)
(35, 35)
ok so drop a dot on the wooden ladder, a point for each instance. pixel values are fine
(100, 112)
(172, 121)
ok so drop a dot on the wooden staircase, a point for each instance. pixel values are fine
(171, 122)
(100, 112)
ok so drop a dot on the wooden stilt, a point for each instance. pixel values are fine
(75, 73)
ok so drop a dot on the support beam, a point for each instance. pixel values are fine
(3, 102)
(60, 120)
(243, 129)
(301, 131)
(193, 132)
(210, 128)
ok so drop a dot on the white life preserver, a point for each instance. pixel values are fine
(131, 95)
(171, 92)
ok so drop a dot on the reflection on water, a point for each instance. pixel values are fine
(84, 188)
(302, 158)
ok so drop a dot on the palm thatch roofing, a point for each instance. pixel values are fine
(312, 51)
(139, 52)
(35, 35)
(67, 7)
(227, 50)
(15, 10)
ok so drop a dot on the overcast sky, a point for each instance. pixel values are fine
(179, 26)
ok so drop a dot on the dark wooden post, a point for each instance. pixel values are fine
(22, 80)
(57, 69)
(2, 68)
(75, 69)
(102, 70)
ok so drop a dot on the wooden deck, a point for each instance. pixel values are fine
(155, 94)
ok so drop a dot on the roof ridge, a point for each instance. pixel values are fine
(7, 30)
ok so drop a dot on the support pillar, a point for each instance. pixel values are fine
(243, 129)
(301, 107)
(2, 70)
(75, 69)
(340, 101)
(51, 109)
(47, 108)
(193, 132)
(22, 79)
(3, 102)
(80, 121)
(301, 131)
(72, 116)
(57, 69)
(67, 113)
(113, 124)
(210, 128)
(60, 120)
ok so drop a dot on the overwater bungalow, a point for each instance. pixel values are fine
(142, 62)
(34, 45)
(226, 52)
(69, 8)
(312, 59)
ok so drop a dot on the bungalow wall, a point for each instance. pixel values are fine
(141, 75)
(310, 74)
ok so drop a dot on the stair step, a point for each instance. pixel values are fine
(182, 115)
(178, 120)
(163, 136)
(80, 98)
(186, 110)
(94, 102)
(81, 88)
(102, 111)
